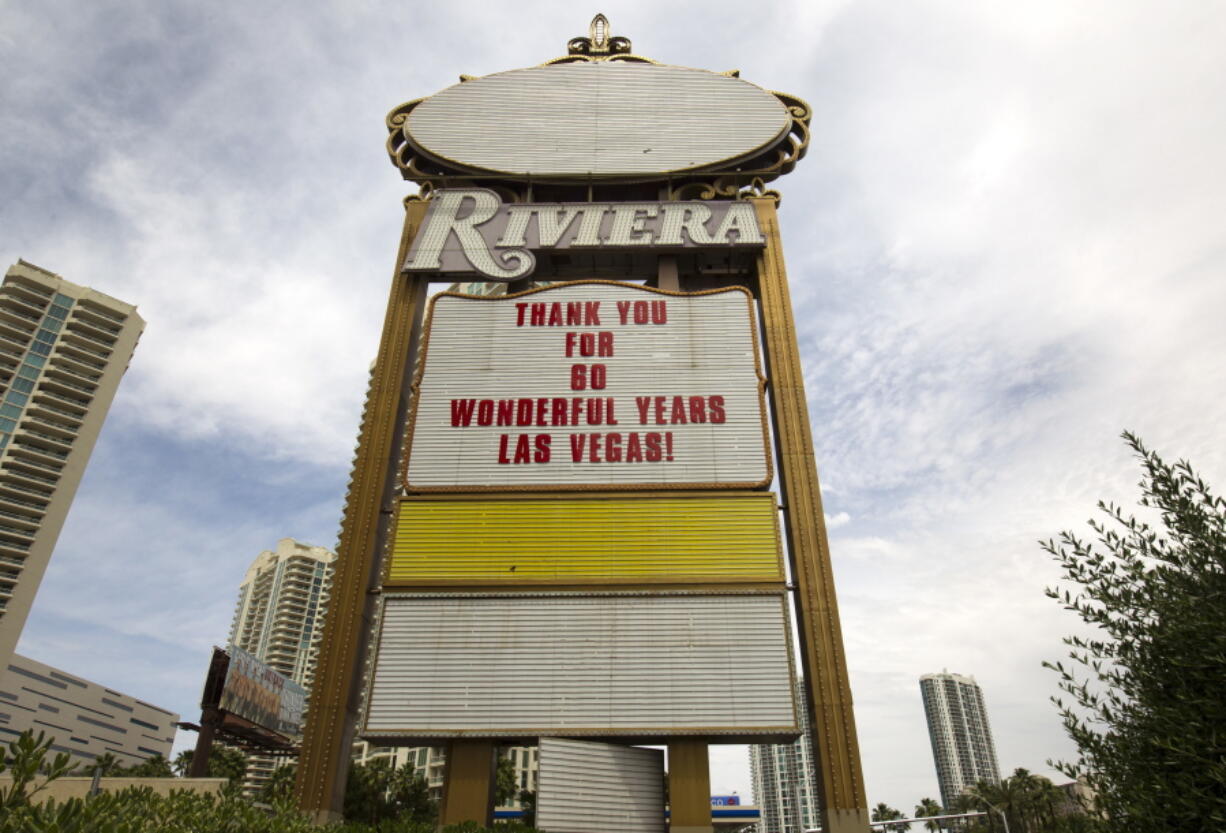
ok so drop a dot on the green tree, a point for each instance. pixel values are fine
(1146, 709)
(928, 807)
(505, 785)
(105, 765)
(279, 787)
(376, 793)
(224, 762)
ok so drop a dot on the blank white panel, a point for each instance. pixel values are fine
(585, 787)
(571, 664)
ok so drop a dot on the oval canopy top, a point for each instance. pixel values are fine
(602, 119)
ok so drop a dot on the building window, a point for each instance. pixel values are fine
(39, 348)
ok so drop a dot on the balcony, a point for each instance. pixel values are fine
(101, 312)
(35, 456)
(69, 432)
(8, 337)
(89, 316)
(89, 330)
(23, 536)
(60, 442)
(25, 519)
(77, 354)
(14, 487)
(13, 316)
(84, 343)
(21, 456)
(70, 387)
(71, 365)
(61, 398)
(22, 441)
(11, 473)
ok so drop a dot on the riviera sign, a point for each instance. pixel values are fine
(470, 231)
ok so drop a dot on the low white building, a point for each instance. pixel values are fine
(85, 719)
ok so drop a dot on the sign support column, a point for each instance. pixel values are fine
(689, 787)
(827, 690)
(337, 689)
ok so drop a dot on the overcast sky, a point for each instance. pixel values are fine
(1005, 246)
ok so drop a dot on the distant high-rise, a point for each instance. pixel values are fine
(63, 350)
(280, 614)
(785, 781)
(961, 738)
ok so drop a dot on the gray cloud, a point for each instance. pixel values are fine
(1004, 248)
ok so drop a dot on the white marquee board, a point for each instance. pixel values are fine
(589, 384)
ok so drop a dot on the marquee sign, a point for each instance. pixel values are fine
(589, 384)
(469, 231)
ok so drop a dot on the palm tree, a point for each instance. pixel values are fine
(884, 812)
(928, 807)
(104, 765)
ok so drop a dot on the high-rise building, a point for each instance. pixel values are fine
(279, 617)
(63, 350)
(962, 745)
(785, 780)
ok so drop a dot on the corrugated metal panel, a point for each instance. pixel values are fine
(569, 664)
(585, 787)
(597, 118)
(689, 387)
(716, 538)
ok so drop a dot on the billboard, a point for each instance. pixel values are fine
(589, 384)
(261, 695)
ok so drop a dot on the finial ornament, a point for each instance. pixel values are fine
(598, 42)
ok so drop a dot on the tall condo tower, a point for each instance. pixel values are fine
(280, 610)
(63, 350)
(962, 745)
(785, 782)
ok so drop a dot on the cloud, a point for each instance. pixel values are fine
(1004, 248)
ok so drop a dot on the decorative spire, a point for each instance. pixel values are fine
(599, 44)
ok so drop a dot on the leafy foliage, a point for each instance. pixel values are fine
(1147, 710)
(376, 792)
(26, 758)
(224, 762)
(505, 786)
(155, 767)
(143, 811)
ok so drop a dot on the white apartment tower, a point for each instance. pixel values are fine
(281, 604)
(785, 781)
(279, 619)
(63, 350)
(962, 745)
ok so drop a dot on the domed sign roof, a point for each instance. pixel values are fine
(598, 115)
(600, 118)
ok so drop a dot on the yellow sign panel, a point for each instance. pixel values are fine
(609, 539)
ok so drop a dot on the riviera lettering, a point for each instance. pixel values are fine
(497, 240)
